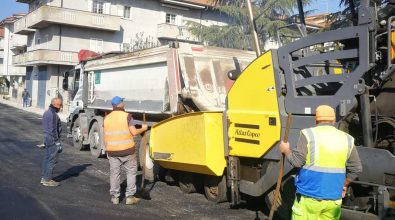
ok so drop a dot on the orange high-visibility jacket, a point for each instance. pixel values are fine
(117, 137)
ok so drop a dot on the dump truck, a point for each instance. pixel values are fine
(234, 153)
(159, 82)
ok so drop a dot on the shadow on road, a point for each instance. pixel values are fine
(72, 172)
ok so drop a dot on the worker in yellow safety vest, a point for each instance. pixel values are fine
(327, 163)
(119, 130)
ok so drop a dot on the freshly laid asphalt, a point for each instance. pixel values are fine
(83, 193)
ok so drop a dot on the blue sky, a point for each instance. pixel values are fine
(322, 6)
(9, 7)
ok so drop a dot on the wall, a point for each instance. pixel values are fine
(145, 17)
(49, 39)
(74, 39)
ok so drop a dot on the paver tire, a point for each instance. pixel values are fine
(215, 188)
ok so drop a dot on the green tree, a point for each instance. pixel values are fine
(269, 14)
(349, 15)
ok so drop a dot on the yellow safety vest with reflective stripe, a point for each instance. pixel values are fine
(117, 137)
(324, 173)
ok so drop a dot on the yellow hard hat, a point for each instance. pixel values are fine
(325, 113)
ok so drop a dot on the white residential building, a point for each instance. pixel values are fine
(11, 45)
(2, 51)
(57, 30)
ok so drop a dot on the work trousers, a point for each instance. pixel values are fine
(129, 163)
(50, 158)
(26, 102)
(306, 208)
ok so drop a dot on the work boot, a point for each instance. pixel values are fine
(114, 200)
(131, 200)
(50, 183)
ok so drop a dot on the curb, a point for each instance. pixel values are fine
(38, 111)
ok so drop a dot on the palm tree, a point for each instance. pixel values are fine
(349, 15)
(269, 16)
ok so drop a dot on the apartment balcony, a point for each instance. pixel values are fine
(175, 32)
(45, 57)
(17, 42)
(16, 70)
(20, 27)
(48, 15)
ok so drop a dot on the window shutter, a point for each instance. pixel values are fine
(106, 8)
(99, 46)
(179, 20)
(92, 45)
(90, 5)
(120, 10)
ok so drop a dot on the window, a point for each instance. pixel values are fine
(97, 7)
(126, 12)
(170, 18)
(96, 45)
(76, 84)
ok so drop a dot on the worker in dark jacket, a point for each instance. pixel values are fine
(26, 98)
(328, 162)
(52, 130)
(121, 152)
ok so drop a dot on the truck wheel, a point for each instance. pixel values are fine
(186, 182)
(150, 168)
(95, 140)
(77, 134)
(215, 188)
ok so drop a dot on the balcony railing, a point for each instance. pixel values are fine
(18, 42)
(20, 27)
(44, 57)
(175, 32)
(47, 15)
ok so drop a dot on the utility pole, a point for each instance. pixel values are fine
(253, 31)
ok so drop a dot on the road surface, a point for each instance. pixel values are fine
(83, 193)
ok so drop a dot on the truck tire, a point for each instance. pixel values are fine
(215, 188)
(95, 140)
(149, 169)
(186, 182)
(77, 134)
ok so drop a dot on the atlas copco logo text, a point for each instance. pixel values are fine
(247, 133)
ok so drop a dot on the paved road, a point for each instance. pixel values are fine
(85, 184)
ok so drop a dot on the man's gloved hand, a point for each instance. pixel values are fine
(59, 147)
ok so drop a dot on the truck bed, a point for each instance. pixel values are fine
(155, 80)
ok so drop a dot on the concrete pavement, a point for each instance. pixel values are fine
(35, 110)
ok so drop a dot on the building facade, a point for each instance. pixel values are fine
(56, 30)
(11, 45)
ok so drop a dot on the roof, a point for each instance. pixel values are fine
(197, 4)
(204, 2)
(11, 19)
(319, 20)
